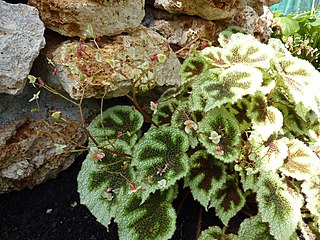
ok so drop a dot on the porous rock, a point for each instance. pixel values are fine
(28, 154)
(211, 9)
(133, 50)
(107, 17)
(182, 29)
(259, 26)
(21, 39)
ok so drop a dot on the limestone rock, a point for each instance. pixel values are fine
(107, 17)
(259, 26)
(206, 9)
(84, 71)
(21, 38)
(182, 29)
(210, 9)
(28, 154)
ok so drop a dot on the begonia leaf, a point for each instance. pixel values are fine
(277, 206)
(228, 200)
(216, 233)
(301, 162)
(154, 219)
(119, 122)
(102, 186)
(206, 175)
(226, 126)
(161, 158)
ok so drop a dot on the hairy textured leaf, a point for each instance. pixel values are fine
(239, 111)
(228, 200)
(164, 112)
(279, 47)
(161, 157)
(119, 122)
(258, 107)
(301, 163)
(277, 206)
(254, 229)
(101, 187)
(246, 50)
(220, 121)
(272, 124)
(216, 233)
(207, 174)
(154, 219)
(229, 86)
(179, 118)
(301, 80)
(311, 189)
(192, 68)
(272, 154)
(214, 56)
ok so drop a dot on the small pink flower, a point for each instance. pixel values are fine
(119, 133)
(154, 107)
(219, 150)
(95, 154)
(41, 83)
(154, 57)
(134, 188)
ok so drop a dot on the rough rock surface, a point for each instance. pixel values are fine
(129, 52)
(259, 26)
(21, 38)
(107, 17)
(28, 154)
(211, 9)
(181, 29)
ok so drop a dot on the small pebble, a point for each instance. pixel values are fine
(73, 204)
(49, 210)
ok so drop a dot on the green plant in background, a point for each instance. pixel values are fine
(301, 34)
(242, 132)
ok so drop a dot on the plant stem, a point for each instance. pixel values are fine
(199, 223)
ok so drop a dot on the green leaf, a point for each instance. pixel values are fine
(278, 206)
(258, 107)
(288, 25)
(254, 228)
(214, 55)
(220, 121)
(164, 112)
(154, 219)
(224, 36)
(182, 114)
(239, 111)
(272, 124)
(301, 163)
(311, 189)
(279, 47)
(206, 175)
(229, 86)
(119, 122)
(228, 200)
(246, 50)
(160, 156)
(272, 154)
(101, 186)
(301, 80)
(216, 233)
(192, 68)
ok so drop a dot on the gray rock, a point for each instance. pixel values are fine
(21, 38)
(107, 17)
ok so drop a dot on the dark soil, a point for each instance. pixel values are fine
(26, 214)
